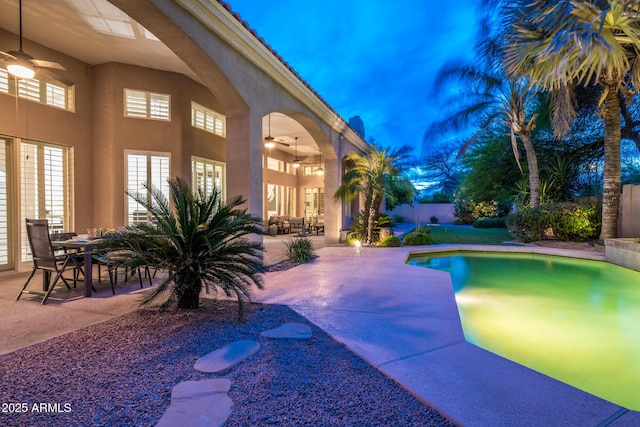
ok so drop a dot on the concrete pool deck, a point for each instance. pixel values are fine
(403, 320)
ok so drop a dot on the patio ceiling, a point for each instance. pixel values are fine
(96, 32)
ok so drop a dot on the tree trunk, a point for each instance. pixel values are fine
(534, 174)
(611, 177)
(373, 215)
(188, 293)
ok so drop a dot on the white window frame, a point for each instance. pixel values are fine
(42, 90)
(140, 104)
(157, 170)
(275, 164)
(311, 170)
(208, 120)
(206, 182)
(46, 188)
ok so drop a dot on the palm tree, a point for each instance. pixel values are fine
(201, 242)
(490, 97)
(560, 44)
(371, 175)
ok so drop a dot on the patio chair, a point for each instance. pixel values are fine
(45, 259)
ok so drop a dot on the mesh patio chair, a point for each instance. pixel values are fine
(45, 259)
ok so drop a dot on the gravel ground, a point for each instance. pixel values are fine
(120, 373)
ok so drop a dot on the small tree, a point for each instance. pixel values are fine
(372, 175)
(199, 241)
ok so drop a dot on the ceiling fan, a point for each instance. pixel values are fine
(270, 141)
(22, 65)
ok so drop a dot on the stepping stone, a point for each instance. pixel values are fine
(289, 330)
(198, 404)
(226, 357)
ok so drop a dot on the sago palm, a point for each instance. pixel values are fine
(200, 242)
(560, 44)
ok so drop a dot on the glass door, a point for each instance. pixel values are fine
(6, 258)
(313, 204)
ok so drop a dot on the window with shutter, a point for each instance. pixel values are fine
(144, 168)
(4, 208)
(207, 119)
(147, 105)
(207, 174)
(44, 188)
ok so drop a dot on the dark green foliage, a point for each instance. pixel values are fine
(398, 218)
(390, 242)
(491, 170)
(299, 249)
(418, 237)
(490, 223)
(199, 241)
(358, 226)
(439, 197)
(564, 221)
(434, 219)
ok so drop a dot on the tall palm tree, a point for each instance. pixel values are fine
(560, 44)
(489, 98)
(199, 241)
(371, 175)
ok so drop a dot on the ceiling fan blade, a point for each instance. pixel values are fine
(283, 143)
(7, 56)
(55, 76)
(47, 64)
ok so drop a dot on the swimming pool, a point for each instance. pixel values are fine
(572, 319)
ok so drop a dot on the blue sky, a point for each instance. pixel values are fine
(371, 58)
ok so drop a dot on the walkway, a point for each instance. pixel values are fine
(403, 319)
(400, 318)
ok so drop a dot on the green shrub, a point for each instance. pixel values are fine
(299, 249)
(390, 242)
(441, 197)
(418, 237)
(434, 219)
(490, 223)
(481, 210)
(398, 218)
(565, 221)
(359, 228)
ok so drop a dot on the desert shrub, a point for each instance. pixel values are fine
(565, 221)
(418, 237)
(490, 223)
(299, 249)
(390, 242)
(434, 219)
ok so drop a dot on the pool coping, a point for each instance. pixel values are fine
(422, 347)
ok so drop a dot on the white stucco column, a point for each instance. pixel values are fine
(244, 159)
(333, 209)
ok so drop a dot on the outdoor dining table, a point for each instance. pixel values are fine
(87, 247)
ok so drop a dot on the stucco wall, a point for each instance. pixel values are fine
(630, 211)
(114, 133)
(422, 213)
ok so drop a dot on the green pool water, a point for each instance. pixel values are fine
(574, 320)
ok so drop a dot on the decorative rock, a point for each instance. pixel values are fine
(289, 330)
(198, 404)
(226, 357)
